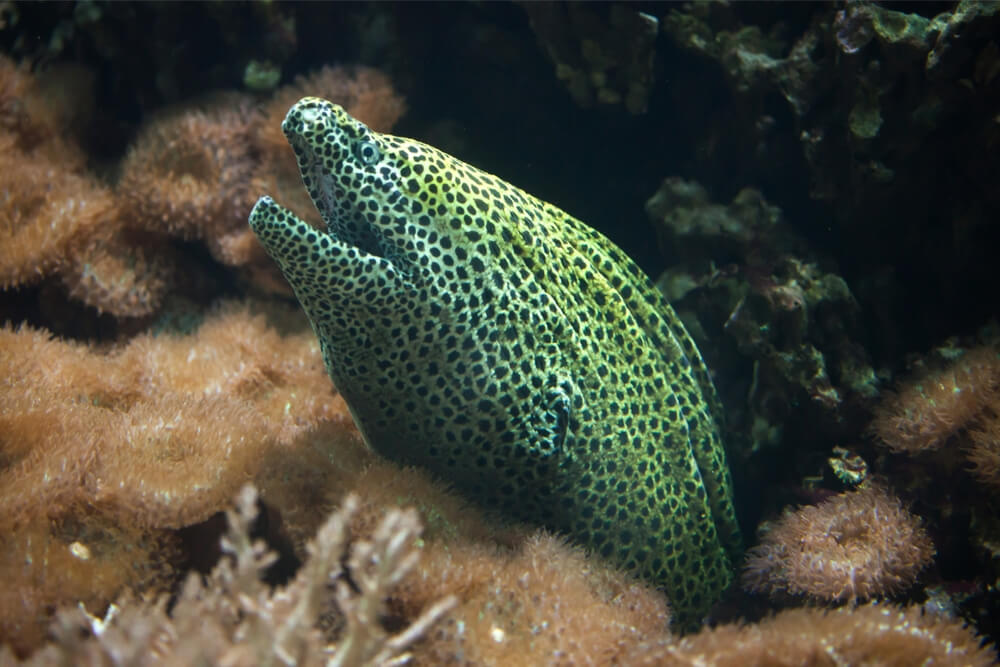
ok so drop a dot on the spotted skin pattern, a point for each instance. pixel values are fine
(490, 337)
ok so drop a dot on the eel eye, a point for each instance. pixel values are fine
(367, 152)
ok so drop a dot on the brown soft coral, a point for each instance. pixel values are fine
(161, 432)
(56, 219)
(118, 271)
(524, 597)
(45, 213)
(874, 634)
(984, 454)
(957, 404)
(188, 174)
(926, 411)
(80, 560)
(103, 452)
(67, 225)
(192, 173)
(854, 546)
(544, 602)
(37, 113)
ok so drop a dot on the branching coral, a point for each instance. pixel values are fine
(236, 619)
(374, 567)
(855, 546)
(528, 599)
(233, 618)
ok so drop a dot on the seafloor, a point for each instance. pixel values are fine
(814, 186)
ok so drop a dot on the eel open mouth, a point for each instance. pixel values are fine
(345, 219)
(311, 130)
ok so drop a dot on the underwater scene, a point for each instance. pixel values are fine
(504, 333)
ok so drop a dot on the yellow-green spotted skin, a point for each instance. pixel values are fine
(490, 337)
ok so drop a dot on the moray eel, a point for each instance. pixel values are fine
(509, 348)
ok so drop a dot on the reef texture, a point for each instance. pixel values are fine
(942, 420)
(104, 452)
(232, 617)
(745, 271)
(938, 405)
(867, 635)
(828, 227)
(58, 220)
(602, 55)
(883, 117)
(235, 618)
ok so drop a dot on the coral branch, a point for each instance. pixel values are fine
(236, 619)
(376, 566)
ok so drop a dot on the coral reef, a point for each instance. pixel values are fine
(148, 438)
(746, 272)
(58, 220)
(854, 546)
(904, 95)
(531, 614)
(942, 423)
(543, 603)
(113, 451)
(985, 452)
(602, 55)
(882, 116)
(236, 618)
(837, 196)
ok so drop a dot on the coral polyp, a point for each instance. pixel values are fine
(852, 547)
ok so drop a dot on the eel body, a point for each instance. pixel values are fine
(514, 351)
